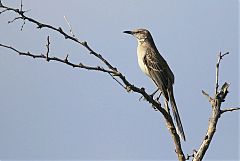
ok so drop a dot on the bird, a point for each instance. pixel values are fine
(155, 66)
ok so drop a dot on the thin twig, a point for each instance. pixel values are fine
(21, 6)
(229, 109)
(3, 10)
(219, 58)
(48, 48)
(225, 54)
(24, 22)
(69, 25)
(66, 59)
(207, 95)
(16, 18)
(117, 81)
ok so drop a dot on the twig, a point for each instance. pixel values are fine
(219, 58)
(207, 95)
(21, 6)
(24, 22)
(48, 46)
(3, 10)
(117, 81)
(229, 109)
(11, 21)
(66, 59)
(69, 25)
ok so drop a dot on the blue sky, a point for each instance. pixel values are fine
(51, 111)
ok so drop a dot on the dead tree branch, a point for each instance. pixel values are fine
(216, 103)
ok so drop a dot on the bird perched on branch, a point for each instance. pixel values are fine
(156, 67)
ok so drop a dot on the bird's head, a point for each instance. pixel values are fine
(140, 34)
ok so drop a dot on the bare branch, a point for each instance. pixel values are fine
(210, 131)
(219, 58)
(216, 111)
(229, 109)
(41, 56)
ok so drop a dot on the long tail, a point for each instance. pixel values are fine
(176, 115)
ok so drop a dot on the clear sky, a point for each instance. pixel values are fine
(51, 111)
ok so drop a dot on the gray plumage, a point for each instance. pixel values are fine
(154, 65)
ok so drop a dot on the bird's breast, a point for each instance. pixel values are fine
(141, 52)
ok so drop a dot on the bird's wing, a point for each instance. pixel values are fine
(159, 71)
(163, 77)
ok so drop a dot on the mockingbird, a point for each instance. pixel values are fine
(154, 66)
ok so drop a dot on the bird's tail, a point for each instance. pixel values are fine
(176, 115)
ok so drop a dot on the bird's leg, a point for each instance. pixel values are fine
(151, 95)
(154, 93)
(159, 96)
(157, 99)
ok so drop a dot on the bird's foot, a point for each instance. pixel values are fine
(152, 95)
(142, 98)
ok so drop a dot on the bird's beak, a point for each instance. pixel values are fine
(128, 32)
